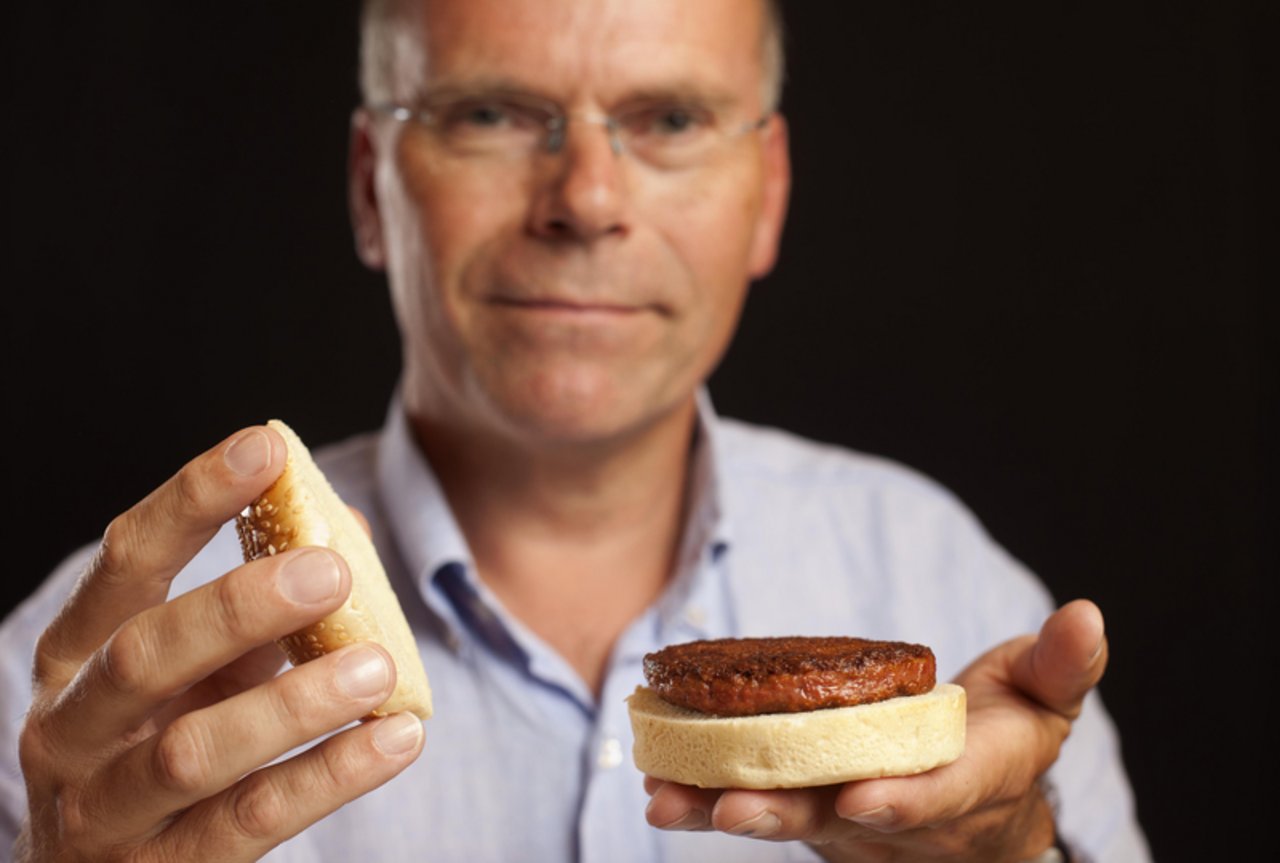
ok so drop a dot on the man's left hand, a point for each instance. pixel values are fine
(987, 806)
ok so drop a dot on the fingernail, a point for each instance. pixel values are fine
(310, 577)
(1097, 649)
(397, 734)
(878, 818)
(249, 454)
(362, 672)
(763, 825)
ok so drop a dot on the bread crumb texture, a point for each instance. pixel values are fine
(897, 737)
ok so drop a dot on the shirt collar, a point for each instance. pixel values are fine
(421, 523)
(690, 599)
(440, 564)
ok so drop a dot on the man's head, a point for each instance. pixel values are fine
(569, 199)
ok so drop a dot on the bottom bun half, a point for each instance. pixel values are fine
(897, 737)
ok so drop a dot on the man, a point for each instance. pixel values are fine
(569, 199)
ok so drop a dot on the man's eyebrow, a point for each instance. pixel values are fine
(716, 98)
(464, 88)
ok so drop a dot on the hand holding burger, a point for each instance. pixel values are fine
(986, 805)
(793, 712)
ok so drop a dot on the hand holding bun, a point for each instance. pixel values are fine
(793, 713)
(158, 722)
(1021, 698)
(302, 509)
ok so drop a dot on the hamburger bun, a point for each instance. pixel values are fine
(302, 509)
(896, 737)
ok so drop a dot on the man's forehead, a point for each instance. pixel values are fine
(598, 44)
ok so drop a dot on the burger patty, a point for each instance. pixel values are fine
(751, 676)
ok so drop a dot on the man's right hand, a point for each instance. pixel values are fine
(152, 720)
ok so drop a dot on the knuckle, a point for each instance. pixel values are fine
(113, 559)
(34, 751)
(180, 761)
(260, 808)
(46, 663)
(294, 699)
(74, 825)
(189, 491)
(127, 661)
(341, 765)
(236, 610)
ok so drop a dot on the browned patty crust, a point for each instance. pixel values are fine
(750, 676)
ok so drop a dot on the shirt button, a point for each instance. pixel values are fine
(610, 754)
(695, 616)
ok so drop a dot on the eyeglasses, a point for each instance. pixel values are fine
(662, 134)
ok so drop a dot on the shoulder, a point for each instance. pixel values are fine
(825, 537)
(765, 457)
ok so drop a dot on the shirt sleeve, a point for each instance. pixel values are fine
(1096, 813)
(18, 635)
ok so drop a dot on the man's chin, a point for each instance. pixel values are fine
(583, 418)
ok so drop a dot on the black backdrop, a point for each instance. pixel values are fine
(1022, 258)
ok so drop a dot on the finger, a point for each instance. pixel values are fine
(910, 812)
(1008, 744)
(800, 813)
(897, 804)
(673, 806)
(144, 548)
(277, 802)
(202, 753)
(1067, 661)
(243, 673)
(158, 654)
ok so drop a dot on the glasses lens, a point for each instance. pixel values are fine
(490, 126)
(669, 134)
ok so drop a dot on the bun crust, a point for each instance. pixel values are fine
(302, 509)
(897, 737)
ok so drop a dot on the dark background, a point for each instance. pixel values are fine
(1022, 257)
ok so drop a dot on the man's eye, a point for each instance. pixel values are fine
(669, 121)
(675, 119)
(478, 114)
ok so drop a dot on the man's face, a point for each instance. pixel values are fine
(580, 295)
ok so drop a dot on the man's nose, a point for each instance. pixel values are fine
(581, 188)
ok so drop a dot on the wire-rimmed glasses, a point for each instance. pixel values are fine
(661, 133)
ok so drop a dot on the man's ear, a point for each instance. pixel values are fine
(362, 192)
(776, 195)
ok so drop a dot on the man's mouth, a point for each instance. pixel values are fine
(568, 307)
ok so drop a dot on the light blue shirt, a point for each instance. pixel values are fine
(784, 537)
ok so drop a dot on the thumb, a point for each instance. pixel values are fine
(1066, 661)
